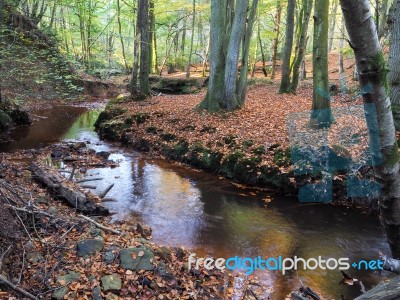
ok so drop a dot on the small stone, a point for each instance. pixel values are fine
(88, 247)
(103, 154)
(131, 260)
(34, 257)
(42, 200)
(97, 293)
(68, 278)
(111, 282)
(60, 293)
(52, 210)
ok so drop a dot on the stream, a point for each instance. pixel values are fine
(211, 216)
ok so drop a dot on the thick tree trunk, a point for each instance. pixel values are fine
(302, 45)
(215, 92)
(231, 100)
(285, 81)
(321, 115)
(144, 70)
(277, 27)
(372, 77)
(242, 83)
(394, 61)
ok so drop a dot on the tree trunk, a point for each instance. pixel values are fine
(215, 92)
(302, 45)
(135, 68)
(120, 35)
(394, 61)
(153, 40)
(276, 37)
(191, 41)
(231, 99)
(372, 77)
(383, 18)
(144, 70)
(341, 45)
(285, 81)
(242, 83)
(332, 25)
(321, 114)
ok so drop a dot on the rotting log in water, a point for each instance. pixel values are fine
(388, 290)
(56, 186)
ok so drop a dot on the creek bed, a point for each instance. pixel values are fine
(210, 215)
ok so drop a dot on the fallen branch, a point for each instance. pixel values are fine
(71, 176)
(99, 225)
(86, 186)
(88, 179)
(54, 183)
(105, 192)
(17, 289)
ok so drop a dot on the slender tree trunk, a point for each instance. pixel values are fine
(372, 77)
(321, 115)
(120, 35)
(341, 46)
(394, 61)
(285, 81)
(135, 68)
(153, 40)
(264, 66)
(383, 18)
(53, 13)
(302, 45)
(231, 99)
(276, 37)
(215, 92)
(242, 83)
(191, 41)
(332, 25)
(203, 72)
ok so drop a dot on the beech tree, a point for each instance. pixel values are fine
(321, 114)
(394, 61)
(142, 57)
(285, 81)
(277, 26)
(372, 73)
(230, 27)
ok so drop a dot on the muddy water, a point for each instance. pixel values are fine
(211, 216)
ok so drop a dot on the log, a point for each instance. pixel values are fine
(390, 264)
(56, 185)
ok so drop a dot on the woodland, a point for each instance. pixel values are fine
(278, 98)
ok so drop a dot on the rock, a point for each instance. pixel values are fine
(79, 145)
(5, 121)
(59, 293)
(109, 254)
(34, 257)
(103, 154)
(135, 259)
(52, 210)
(56, 153)
(144, 231)
(42, 200)
(88, 247)
(111, 283)
(164, 253)
(97, 293)
(68, 278)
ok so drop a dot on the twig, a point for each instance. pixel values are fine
(88, 179)
(99, 225)
(87, 186)
(17, 289)
(4, 254)
(105, 192)
(22, 267)
(71, 176)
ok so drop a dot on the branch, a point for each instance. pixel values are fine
(17, 289)
(99, 225)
